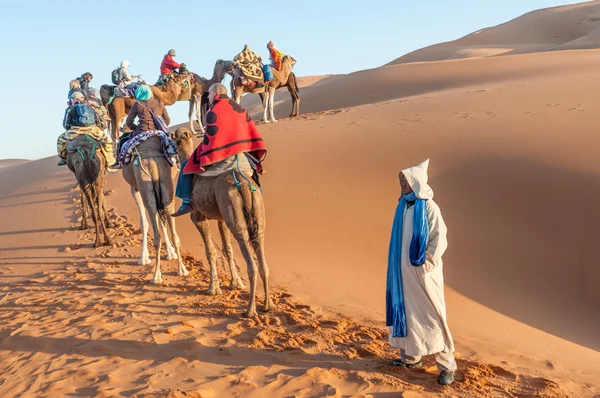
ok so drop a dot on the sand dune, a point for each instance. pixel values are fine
(570, 27)
(513, 147)
(7, 163)
(406, 80)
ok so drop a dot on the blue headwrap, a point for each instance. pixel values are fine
(395, 315)
(143, 93)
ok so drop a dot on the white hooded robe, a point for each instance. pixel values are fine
(427, 330)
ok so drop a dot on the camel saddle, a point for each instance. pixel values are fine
(83, 142)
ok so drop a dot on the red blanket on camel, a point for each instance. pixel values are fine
(229, 131)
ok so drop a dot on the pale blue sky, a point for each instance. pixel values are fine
(44, 44)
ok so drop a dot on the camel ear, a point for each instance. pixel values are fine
(188, 133)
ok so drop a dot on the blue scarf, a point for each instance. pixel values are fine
(394, 302)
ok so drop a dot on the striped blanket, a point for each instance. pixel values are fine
(169, 149)
(91, 131)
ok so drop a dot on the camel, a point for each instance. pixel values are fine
(88, 165)
(151, 181)
(292, 86)
(239, 210)
(119, 108)
(197, 95)
(280, 79)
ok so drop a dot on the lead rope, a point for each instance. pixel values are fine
(238, 184)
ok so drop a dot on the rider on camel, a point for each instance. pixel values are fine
(232, 141)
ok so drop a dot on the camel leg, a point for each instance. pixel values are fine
(264, 273)
(95, 216)
(198, 103)
(238, 95)
(296, 106)
(155, 221)
(236, 281)
(246, 249)
(84, 210)
(171, 252)
(266, 107)
(102, 216)
(191, 113)
(271, 104)
(107, 221)
(181, 270)
(145, 256)
(201, 224)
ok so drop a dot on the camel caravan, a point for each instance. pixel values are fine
(217, 180)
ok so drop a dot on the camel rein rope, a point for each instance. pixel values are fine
(238, 183)
(139, 158)
(87, 138)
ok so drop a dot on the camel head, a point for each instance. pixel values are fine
(225, 66)
(291, 59)
(183, 139)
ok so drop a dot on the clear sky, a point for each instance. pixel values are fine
(45, 44)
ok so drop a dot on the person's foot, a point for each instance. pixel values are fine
(185, 208)
(259, 85)
(111, 169)
(62, 162)
(399, 363)
(446, 378)
(115, 166)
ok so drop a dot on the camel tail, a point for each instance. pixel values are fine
(249, 210)
(158, 196)
(86, 177)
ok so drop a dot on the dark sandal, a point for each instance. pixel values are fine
(399, 363)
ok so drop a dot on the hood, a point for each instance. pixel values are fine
(417, 179)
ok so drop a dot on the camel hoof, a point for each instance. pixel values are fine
(156, 280)
(110, 225)
(172, 256)
(237, 286)
(144, 261)
(213, 292)
(266, 122)
(250, 314)
(83, 227)
(108, 242)
(267, 307)
(98, 244)
(274, 121)
(183, 272)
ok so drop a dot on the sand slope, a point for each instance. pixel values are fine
(568, 27)
(78, 321)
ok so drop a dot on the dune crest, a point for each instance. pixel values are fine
(569, 27)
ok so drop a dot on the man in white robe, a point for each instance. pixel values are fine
(427, 330)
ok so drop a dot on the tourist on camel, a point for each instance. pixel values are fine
(74, 87)
(248, 68)
(275, 55)
(143, 108)
(232, 141)
(125, 81)
(84, 83)
(169, 65)
(81, 119)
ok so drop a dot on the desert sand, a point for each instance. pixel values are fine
(513, 145)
